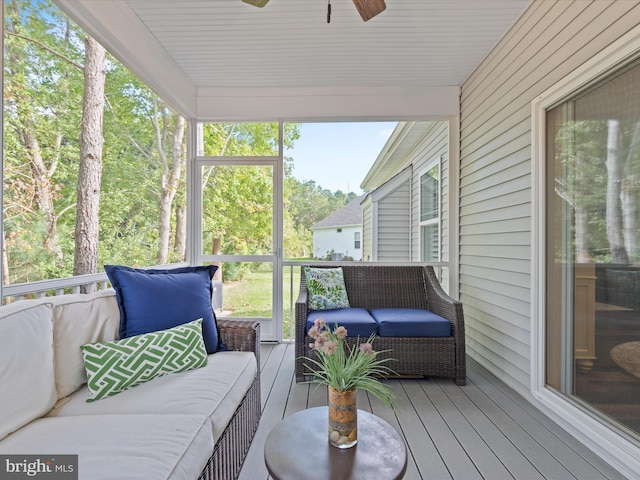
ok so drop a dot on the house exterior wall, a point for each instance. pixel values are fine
(386, 222)
(435, 146)
(327, 239)
(367, 229)
(394, 225)
(549, 41)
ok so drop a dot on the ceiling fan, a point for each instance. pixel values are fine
(366, 8)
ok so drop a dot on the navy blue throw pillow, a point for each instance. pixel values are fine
(152, 300)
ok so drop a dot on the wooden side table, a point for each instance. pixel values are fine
(298, 448)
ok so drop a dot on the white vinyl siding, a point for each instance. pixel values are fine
(394, 227)
(549, 41)
(338, 240)
(387, 220)
(367, 232)
(435, 146)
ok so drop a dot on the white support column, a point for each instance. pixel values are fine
(454, 206)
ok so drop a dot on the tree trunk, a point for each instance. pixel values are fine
(90, 171)
(41, 178)
(614, 182)
(5, 263)
(180, 245)
(629, 198)
(582, 235)
(170, 181)
(581, 213)
(216, 249)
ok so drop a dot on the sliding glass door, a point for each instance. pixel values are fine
(593, 248)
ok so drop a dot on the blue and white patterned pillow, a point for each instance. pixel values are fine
(326, 288)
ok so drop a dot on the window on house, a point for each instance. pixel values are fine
(339, 230)
(430, 213)
(593, 247)
(356, 240)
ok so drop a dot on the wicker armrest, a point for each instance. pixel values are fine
(241, 336)
(442, 304)
(302, 310)
(302, 298)
(439, 302)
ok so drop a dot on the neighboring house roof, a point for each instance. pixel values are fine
(350, 214)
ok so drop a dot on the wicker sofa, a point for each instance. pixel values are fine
(374, 286)
(193, 424)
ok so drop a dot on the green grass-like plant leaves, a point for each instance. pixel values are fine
(345, 367)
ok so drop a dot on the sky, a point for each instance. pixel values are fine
(338, 155)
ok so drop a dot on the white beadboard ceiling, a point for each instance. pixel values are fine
(219, 59)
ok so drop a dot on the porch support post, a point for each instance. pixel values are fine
(454, 206)
(193, 242)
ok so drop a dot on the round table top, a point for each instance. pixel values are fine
(298, 448)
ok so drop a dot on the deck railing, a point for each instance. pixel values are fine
(99, 281)
(60, 286)
(63, 286)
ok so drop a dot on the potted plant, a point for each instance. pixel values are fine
(344, 369)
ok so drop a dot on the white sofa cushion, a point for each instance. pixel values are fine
(27, 384)
(132, 447)
(215, 390)
(77, 320)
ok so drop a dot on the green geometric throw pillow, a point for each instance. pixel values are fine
(113, 367)
(326, 288)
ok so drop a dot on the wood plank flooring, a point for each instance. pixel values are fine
(483, 430)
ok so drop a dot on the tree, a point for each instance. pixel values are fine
(90, 171)
(238, 199)
(581, 181)
(614, 188)
(597, 175)
(41, 76)
(310, 203)
(171, 173)
(630, 195)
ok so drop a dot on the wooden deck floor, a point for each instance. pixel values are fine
(483, 430)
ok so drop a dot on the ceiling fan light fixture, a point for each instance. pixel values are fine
(369, 8)
(256, 3)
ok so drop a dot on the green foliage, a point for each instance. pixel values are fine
(44, 83)
(345, 367)
(310, 203)
(43, 92)
(581, 178)
(305, 204)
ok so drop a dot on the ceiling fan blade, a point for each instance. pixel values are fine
(256, 3)
(369, 8)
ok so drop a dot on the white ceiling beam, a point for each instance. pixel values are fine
(327, 103)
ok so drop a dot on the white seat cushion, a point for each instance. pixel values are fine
(27, 383)
(135, 447)
(77, 320)
(214, 390)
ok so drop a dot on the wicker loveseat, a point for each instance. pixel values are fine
(371, 286)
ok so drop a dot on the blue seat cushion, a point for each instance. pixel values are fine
(357, 321)
(410, 322)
